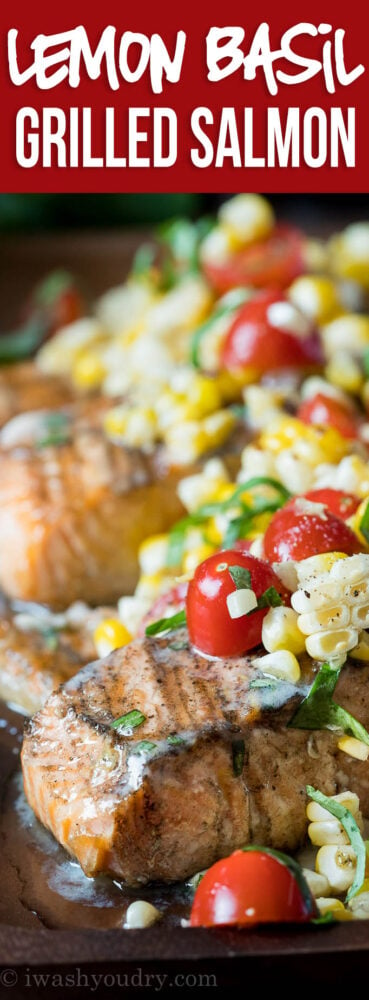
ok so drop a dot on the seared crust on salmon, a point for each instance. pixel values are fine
(74, 508)
(167, 798)
(24, 387)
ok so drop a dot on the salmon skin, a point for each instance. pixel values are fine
(74, 508)
(38, 651)
(211, 766)
(24, 387)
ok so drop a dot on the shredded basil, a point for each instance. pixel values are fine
(177, 537)
(175, 740)
(143, 260)
(55, 430)
(129, 721)
(350, 826)
(238, 757)
(319, 711)
(270, 599)
(22, 343)
(265, 682)
(364, 523)
(325, 919)
(241, 577)
(178, 645)
(144, 747)
(167, 624)
(226, 308)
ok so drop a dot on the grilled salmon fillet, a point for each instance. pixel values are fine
(212, 766)
(24, 387)
(74, 508)
(39, 651)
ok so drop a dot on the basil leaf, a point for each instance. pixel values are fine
(364, 523)
(143, 260)
(238, 757)
(129, 721)
(319, 711)
(174, 740)
(144, 747)
(351, 828)
(167, 624)
(241, 577)
(265, 682)
(325, 919)
(270, 599)
(22, 343)
(228, 308)
(177, 537)
(56, 430)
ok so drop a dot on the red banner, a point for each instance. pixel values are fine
(219, 98)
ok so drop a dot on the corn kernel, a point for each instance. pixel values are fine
(280, 631)
(361, 651)
(88, 371)
(194, 557)
(328, 831)
(317, 297)
(331, 644)
(343, 370)
(281, 664)
(334, 906)
(338, 864)
(314, 444)
(186, 442)
(109, 635)
(349, 800)
(245, 218)
(318, 884)
(359, 905)
(204, 395)
(349, 253)
(349, 333)
(354, 748)
(218, 427)
(141, 914)
(152, 554)
(59, 354)
(152, 584)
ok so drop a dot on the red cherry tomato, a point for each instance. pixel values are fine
(166, 605)
(342, 504)
(270, 263)
(255, 886)
(293, 534)
(252, 342)
(325, 410)
(210, 626)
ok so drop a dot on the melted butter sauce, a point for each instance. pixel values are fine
(41, 885)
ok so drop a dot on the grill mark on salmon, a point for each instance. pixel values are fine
(23, 387)
(169, 813)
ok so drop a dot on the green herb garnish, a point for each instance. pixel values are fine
(270, 599)
(143, 260)
(167, 624)
(241, 577)
(55, 430)
(265, 682)
(319, 711)
(145, 746)
(129, 721)
(364, 523)
(350, 826)
(175, 740)
(238, 757)
(227, 308)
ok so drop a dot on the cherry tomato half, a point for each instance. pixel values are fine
(210, 626)
(254, 886)
(271, 263)
(342, 504)
(166, 605)
(325, 410)
(295, 534)
(252, 341)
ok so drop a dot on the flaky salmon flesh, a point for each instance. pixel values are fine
(211, 767)
(74, 509)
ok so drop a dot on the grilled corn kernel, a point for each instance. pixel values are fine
(280, 631)
(255, 462)
(343, 370)
(218, 427)
(152, 584)
(335, 906)
(350, 801)
(186, 442)
(361, 651)
(338, 864)
(88, 371)
(152, 554)
(263, 405)
(282, 664)
(194, 557)
(318, 884)
(132, 611)
(296, 474)
(59, 354)
(109, 635)
(204, 395)
(359, 905)
(245, 218)
(134, 425)
(349, 333)
(349, 253)
(314, 444)
(317, 297)
(196, 490)
(328, 831)
(141, 914)
(354, 748)
(331, 644)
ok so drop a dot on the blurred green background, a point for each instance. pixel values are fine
(30, 212)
